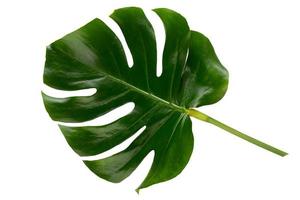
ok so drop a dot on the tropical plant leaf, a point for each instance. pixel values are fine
(93, 57)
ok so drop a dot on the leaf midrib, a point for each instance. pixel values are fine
(147, 94)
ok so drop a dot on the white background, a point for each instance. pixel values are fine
(258, 42)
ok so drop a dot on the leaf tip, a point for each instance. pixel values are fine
(137, 191)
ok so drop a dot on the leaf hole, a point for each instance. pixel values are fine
(116, 29)
(110, 117)
(63, 93)
(139, 174)
(160, 36)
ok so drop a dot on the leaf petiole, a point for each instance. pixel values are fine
(201, 116)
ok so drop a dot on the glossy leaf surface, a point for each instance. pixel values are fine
(93, 57)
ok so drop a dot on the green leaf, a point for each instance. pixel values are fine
(93, 57)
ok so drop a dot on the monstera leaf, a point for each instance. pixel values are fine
(93, 57)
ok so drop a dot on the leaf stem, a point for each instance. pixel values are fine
(199, 115)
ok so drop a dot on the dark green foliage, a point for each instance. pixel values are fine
(93, 57)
